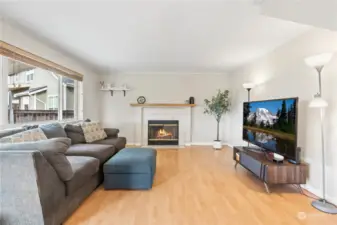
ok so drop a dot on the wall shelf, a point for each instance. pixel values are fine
(162, 105)
(124, 89)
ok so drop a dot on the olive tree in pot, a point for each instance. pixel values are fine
(217, 107)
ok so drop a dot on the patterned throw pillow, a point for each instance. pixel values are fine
(93, 131)
(25, 136)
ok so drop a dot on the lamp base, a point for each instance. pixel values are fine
(324, 206)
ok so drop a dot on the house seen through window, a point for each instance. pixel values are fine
(36, 94)
(53, 102)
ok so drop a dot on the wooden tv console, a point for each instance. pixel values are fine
(267, 170)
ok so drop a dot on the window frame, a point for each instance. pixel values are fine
(4, 83)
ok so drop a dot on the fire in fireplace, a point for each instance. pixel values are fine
(163, 132)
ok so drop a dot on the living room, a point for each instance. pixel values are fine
(163, 67)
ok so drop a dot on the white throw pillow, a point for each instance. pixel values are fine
(25, 136)
(93, 131)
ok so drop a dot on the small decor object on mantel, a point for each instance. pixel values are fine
(141, 100)
(218, 106)
(191, 100)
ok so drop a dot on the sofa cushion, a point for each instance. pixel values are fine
(111, 132)
(9, 132)
(119, 142)
(75, 133)
(93, 131)
(100, 152)
(53, 130)
(52, 149)
(25, 136)
(84, 168)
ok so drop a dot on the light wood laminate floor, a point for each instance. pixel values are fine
(199, 186)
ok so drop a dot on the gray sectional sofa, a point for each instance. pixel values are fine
(45, 182)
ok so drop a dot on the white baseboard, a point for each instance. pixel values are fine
(201, 143)
(208, 144)
(138, 144)
(229, 145)
(156, 146)
(135, 144)
(318, 193)
(188, 144)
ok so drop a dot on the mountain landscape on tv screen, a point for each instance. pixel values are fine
(270, 124)
(262, 115)
(274, 117)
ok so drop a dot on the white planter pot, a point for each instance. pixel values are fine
(217, 145)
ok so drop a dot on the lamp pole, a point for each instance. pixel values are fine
(323, 152)
(317, 62)
(248, 89)
(319, 71)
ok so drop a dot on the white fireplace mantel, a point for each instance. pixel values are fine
(160, 111)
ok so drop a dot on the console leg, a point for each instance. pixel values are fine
(266, 187)
(301, 190)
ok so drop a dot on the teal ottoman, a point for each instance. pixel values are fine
(130, 168)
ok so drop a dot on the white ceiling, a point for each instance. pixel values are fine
(151, 36)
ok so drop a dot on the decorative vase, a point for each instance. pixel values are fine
(217, 145)
(191, 100)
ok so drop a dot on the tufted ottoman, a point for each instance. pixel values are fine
(130, 168)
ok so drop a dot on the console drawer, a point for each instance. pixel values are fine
(251, 164)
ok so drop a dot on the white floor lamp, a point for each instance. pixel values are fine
(318, 62)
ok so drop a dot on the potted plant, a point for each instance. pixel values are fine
(218, 106)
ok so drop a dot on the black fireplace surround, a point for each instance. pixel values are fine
(163, 132)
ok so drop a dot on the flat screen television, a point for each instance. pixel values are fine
(272, 125)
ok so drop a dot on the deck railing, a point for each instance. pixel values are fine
(26, 116)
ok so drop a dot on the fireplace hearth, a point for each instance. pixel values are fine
(163, 132)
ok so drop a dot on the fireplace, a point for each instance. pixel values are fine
(163, 132)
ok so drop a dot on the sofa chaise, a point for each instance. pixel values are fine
(44, 182)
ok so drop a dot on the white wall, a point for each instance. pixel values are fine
(282, 74)
(163, 88)
(303, 11)
(16, 36)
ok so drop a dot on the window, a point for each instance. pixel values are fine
(29, 76)
(36, 94)
(53, 101)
